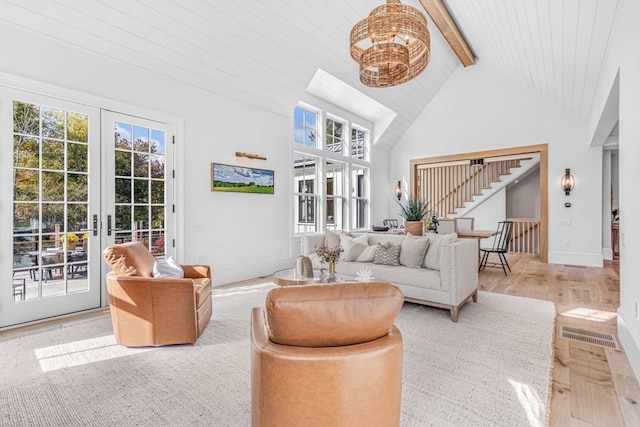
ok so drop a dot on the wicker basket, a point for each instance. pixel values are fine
(416, 228)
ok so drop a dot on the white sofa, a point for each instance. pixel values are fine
(450, 287)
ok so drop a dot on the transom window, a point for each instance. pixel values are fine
(330, 171)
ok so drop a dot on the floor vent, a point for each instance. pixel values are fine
(595, 338)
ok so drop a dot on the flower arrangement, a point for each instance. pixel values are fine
(327, 254)
(69, 238)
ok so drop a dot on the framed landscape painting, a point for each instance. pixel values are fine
(241, 179)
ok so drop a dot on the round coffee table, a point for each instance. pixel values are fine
(288, 277)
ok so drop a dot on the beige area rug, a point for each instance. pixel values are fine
(493, 368)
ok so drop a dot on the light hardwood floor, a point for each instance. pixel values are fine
(592, 386)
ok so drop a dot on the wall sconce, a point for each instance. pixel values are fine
(398, 190)
(567, 182)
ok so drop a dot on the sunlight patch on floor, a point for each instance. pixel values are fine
(83, 352)
(590, 314)
(533, 406)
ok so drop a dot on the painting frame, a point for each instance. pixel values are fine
(241, 179)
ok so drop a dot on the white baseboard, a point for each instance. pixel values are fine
(630, 342)
(607, 254)
(576, 258)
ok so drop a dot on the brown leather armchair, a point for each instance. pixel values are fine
(149, 311)
(327, 355)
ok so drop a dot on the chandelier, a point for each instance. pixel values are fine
(392, 45)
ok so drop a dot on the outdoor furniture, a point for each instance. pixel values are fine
(499, 246)
(19, 288)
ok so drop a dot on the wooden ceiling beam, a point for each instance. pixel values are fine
(442, 18)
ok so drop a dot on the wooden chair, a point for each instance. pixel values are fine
(500, 246)
(446, 226)
(464, 224)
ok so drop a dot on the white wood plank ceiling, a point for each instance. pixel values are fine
(264, 53)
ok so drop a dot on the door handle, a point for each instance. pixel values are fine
(109, 225)
(95, 226)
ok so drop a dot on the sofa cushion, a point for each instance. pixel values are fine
(331, 315)
(353, 246)
(413, 250)
(129, 259)
(387, 254)
(434, 251)
(368, 254)
(397, 275)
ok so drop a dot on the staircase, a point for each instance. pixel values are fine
(454, 189)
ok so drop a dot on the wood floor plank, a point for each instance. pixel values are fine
(589, 385)
(628, 394)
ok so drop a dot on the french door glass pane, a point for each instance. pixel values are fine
(140, 175)
(50, 201)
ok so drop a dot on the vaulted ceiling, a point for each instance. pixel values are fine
(265, 53)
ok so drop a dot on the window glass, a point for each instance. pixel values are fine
(330, 172)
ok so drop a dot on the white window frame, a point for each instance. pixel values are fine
(350, 163)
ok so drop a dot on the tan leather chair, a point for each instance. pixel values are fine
(148, 311)
(327, 355)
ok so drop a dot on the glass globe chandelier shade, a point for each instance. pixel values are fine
(392, 45)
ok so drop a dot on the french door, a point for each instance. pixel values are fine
(139, 167)
(67, 190)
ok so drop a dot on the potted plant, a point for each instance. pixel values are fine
(71, 239)
(413, 213)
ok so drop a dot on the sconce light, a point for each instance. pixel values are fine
(476, 162)
(398, 190)
(567, 182)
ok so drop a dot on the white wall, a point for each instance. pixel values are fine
(624, 57)
(523, 197)
(239, 235)
(478, 109)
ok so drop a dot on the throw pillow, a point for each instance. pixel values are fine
(434, 251)
(353, 246)
(413, 250)
(331, 239)
(387, 254)
(368, 254)
(168, 268)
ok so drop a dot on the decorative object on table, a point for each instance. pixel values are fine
(330, 255)
(392, 45)
(365, 275)
(304, 267)
(413, 213)
(241, 179)
(432, 221)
